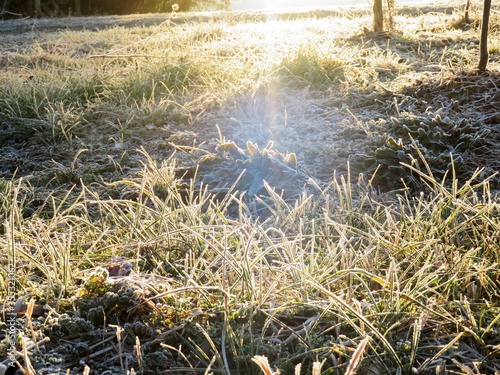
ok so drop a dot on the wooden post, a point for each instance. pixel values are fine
(483, 47)
(378, 16)
(467, 10)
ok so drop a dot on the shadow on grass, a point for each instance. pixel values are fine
(446, 127)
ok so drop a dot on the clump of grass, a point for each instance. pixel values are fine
(310, 68)
(309, 284)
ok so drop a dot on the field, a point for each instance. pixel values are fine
(182, 193)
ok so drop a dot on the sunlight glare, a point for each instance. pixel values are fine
(273, 5)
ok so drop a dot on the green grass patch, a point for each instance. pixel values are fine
(183, 195)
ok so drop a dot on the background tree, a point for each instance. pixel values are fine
(483, 48)
(52, 8)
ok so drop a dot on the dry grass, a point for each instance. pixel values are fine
(134, 267)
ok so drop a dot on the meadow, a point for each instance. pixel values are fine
(246, 193)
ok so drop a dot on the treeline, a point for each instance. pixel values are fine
(57, 8)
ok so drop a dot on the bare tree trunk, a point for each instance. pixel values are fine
(483, 48)
(78, 8)
(28, 8)
(38, 8)
(378, 16)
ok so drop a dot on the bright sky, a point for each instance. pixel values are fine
(275, 4)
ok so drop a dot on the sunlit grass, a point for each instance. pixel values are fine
(356, 266)
(107, 235)
(186, 65)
